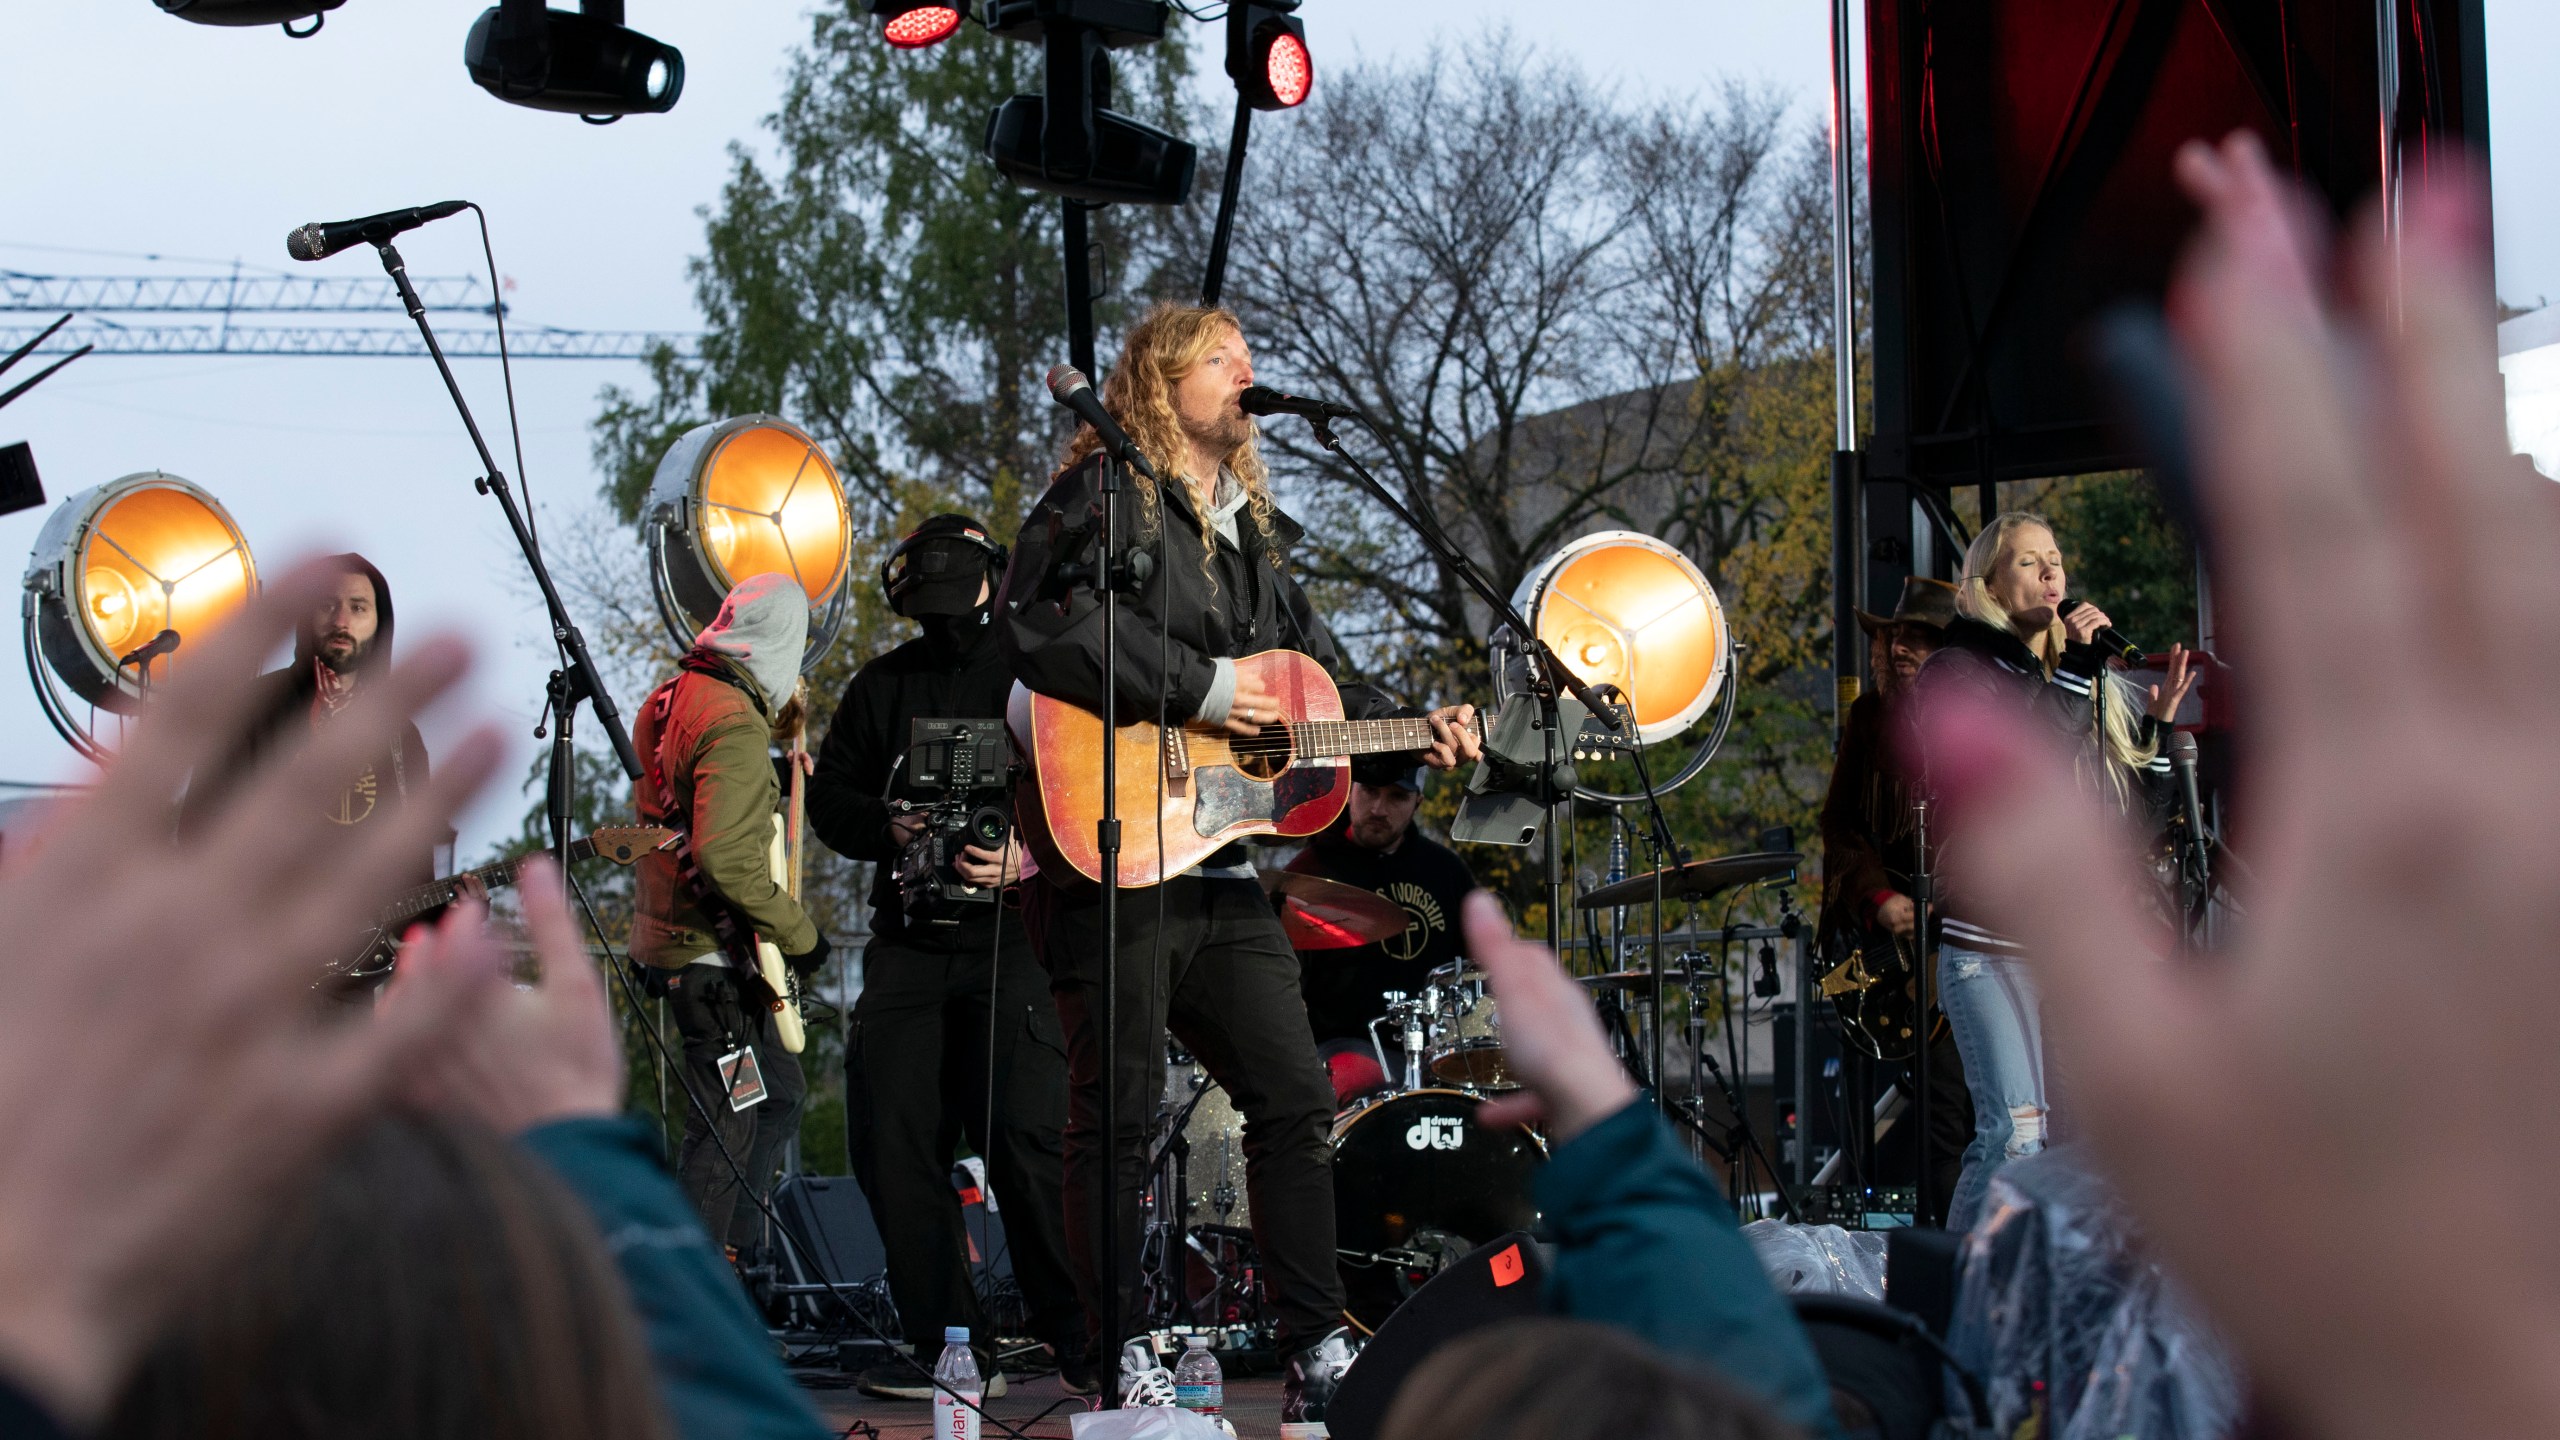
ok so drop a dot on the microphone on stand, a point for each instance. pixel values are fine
(323, 238)
(2108, 638)
(1263, 400)
(2182, 758)
(1069, 387)
(166, 642)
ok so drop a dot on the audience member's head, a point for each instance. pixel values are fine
(1569, 1380)
(432, 1280)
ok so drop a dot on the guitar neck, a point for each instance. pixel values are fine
(496, 875)
(1359, 737)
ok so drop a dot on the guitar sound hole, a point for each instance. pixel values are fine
(1261, 756)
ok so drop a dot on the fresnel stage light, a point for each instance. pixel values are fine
(1624, 609)
(120, 576)
(915, 24)
(585, 63)
(747, 496)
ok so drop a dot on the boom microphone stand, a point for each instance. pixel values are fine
(1549, 679)
(576, 680)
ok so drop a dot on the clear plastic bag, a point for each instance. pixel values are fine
(1819, 1259)
(2072, 1328)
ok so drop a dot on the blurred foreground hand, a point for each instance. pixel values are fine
(166, 1073)
(2340, 1131)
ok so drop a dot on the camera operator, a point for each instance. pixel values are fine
(954, 1034)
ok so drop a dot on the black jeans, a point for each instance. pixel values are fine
(714, 1021)
(1221, 977)
(916, 1080)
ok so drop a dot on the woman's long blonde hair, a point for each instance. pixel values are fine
(1159, 352)
(2115, 703)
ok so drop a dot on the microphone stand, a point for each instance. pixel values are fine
(1106, 589)
(1548, 677)
(576, 680)
(1925, 957)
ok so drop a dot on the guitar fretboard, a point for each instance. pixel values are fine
(1358, 737)
(496, 875)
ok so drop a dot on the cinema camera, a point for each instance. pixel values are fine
(970, 764)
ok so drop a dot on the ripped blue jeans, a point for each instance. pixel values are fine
(1990, 1003)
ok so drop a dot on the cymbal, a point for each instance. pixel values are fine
(1322, 914)
(1697, 880)
(1639, 982)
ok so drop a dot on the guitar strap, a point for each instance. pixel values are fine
(728, 926)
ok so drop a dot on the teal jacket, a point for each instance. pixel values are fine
(1646, 1244)
(717, 1372)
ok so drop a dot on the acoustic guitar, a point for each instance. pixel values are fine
(621, 844)
(1196, 785)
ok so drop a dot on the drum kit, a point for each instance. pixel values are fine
(1418, 1179)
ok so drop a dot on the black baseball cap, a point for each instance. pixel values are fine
(939, 567)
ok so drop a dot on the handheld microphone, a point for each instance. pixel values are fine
(2108, 638)
(323, 238)
(1263, 400)
(1068, 387)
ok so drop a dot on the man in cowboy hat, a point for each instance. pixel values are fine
(1869, 847)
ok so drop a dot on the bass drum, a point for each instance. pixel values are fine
(1417, 1183)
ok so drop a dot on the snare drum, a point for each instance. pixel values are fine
(1417, 1183)
(1466, 1031)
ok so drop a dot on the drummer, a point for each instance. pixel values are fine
(1377, 846)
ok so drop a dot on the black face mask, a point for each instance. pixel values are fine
(956, 636)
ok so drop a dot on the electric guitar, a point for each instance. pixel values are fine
(1215, 787)
(783, 859)
(621, 844)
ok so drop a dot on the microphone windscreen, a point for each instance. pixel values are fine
(1065, 380)
(2182, 748)
(307, 242)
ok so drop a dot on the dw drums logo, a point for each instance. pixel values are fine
(1436, 1132)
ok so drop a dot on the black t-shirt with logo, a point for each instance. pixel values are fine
(1346, 989)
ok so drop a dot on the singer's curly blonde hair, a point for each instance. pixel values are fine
(1161, 350)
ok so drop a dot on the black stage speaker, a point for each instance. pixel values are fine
(829, 1214)
(1497, 1281)
(2019, 155)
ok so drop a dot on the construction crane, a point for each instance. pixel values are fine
(236, 295)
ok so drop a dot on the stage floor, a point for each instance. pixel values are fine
(1253, 1407)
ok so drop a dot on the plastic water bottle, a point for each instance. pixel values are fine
(957, 1370)
(1198, 1385)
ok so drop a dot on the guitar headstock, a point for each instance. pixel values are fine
(625, 844)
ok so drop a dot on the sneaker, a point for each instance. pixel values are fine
(1312, 1375)
(1142, 1380)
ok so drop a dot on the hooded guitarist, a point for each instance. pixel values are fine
(1217, 969)
(704, 739)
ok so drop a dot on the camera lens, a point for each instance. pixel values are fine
(989, 825)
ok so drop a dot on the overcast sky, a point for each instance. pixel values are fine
(137, 143)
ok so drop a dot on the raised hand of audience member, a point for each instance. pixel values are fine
(535, 1053)
(2339, 1129)
(165, 1073)
(1551, 1035)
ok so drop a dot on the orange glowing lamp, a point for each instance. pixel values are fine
(121, 576)
(754, 495)
(1624, 609)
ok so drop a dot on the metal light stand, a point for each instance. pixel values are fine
(577, 679)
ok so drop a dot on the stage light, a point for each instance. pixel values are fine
(1132, 163)
(115, 568)
(752, 495)
(916, 24)
(1624, 609)
(586, 63)
(254, 12)
(1267, 54)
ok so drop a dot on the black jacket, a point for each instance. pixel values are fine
(1182, 619)
(850, 793)
(1989, 660)
(1869, 843)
